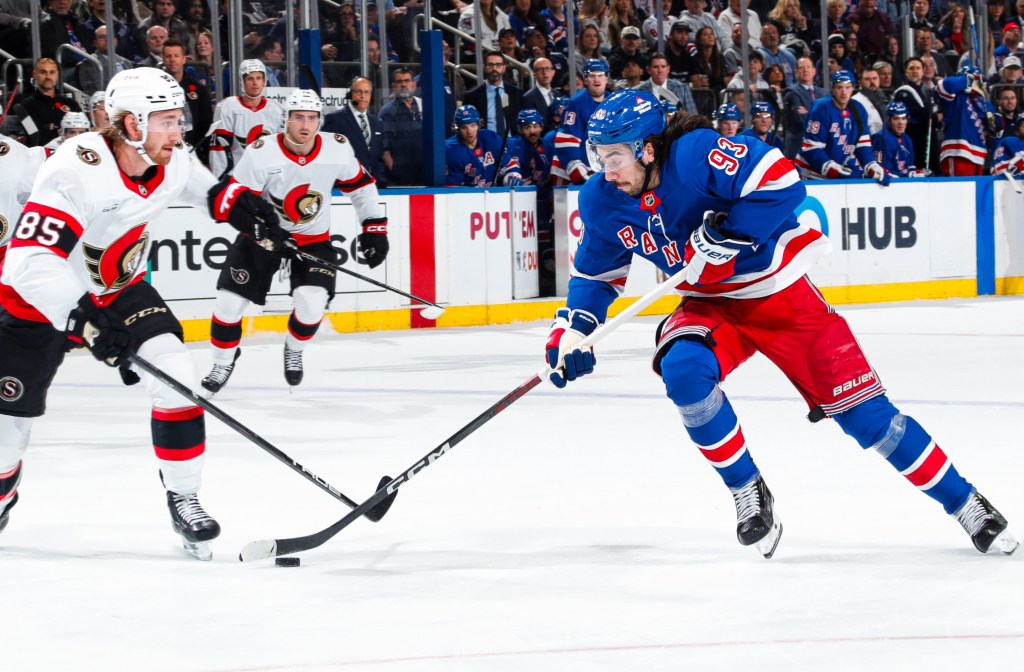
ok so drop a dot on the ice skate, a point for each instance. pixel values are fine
(196, 527)
(219, 374)
(756, 522)
(292, 365)
(5, 512)
(985, 525)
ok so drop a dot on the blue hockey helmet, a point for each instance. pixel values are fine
(557, 105)
(729, 112)
(529, 116)
(466, 114)
(595, 65)
(762, 107)
(896, 109)
(968, 69)
(625, 117)
(842, 77)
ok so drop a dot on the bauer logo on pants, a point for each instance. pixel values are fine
(11, 389)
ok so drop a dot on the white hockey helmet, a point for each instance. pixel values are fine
(97, 98)
(74, 121)
(303, 100)
(251, 65)
(141, 92)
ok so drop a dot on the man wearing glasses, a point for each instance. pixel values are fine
(540, 96)
(497, 102)
(401, 123)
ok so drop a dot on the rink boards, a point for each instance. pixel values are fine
(475, 252)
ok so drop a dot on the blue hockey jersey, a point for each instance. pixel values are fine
(752, 182)
(963, 117)
(894, 152)
(771, 139)
(472, 167)
(1009, 151)
(530, 163)
(832, 134)
(571, 136)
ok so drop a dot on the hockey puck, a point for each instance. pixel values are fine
(287, 562)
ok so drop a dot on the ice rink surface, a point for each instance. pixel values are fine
(578, 530)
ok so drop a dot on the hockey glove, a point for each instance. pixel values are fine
(875, 171)
(101, 329)
(711, 257)
(246, 212)
(578, 172)
(833, 171)
(919, 172)
(567, 361)
(513, 180)
(373, 241)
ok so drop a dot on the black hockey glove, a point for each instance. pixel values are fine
(373, 241)
(101, 329)
(236, 204)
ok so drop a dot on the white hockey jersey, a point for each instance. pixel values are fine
(18, 167)
(84, 227)
(300, 187)
(240, 126)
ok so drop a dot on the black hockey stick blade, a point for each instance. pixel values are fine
(377, 512)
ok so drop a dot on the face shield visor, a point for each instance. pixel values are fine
(611, 158)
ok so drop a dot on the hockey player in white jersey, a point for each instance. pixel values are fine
(18, 167)
(296, 170)
(243, 119)
(72, 124)
(75, 272)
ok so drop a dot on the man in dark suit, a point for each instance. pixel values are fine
(493, 94)
(796, 102)
(540, 96)
(355, 122)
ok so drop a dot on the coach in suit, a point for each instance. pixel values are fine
(540, 96)
(355, 122)
(796, 102)
(488, 96)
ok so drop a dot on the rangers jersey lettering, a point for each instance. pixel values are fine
(300, 187)
(832, 134)
(964, 115)
(84, 227)
(240, 126)
(472, 166)
(746, 178)
(18, 167)
(1009, 154)
(894, 152)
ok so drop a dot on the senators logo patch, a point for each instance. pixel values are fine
(4, 148)
(3, 228)
(114, 267)
(254, 134)
(300, 205)
(258, 143)
(340, 138)
(239, 276)
(11, 388)
(88, 156)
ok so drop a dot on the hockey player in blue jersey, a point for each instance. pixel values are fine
(684, 197)
(893, 147)
(1009, 156)
(837, 143)
(728, 119)
(762, 125)
(570, 159)
(969, 122)
(555, 109)
(471, 155)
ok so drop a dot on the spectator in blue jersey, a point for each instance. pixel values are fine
(728, 119)
(471, 155)
(721, 213)
(837, 143)
(571, 162)
(762, 125)
(556, 27)
(893, 147)
(1009, 155)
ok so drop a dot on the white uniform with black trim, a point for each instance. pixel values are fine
(300, 187)
(18, 167)
(241, 126)
(84, 227)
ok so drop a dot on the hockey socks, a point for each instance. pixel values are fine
(712, 425)
(224, 337)
(299, 334)
(907, 447)
(179, 441)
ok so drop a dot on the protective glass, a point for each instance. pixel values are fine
(610, 158)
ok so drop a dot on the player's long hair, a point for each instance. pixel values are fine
(679, 125)
(115, 133)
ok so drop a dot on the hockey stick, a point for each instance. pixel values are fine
(268, 548)
(206, 137)
(374, 513)
(1013, 181)
(430, 311)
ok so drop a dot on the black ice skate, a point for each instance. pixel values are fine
(985, 525)
(756, 522)
(292, 365)
(219, 374)
(196, 527)
(5, 514)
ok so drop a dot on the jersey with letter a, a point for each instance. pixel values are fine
(751, 181)
(300, 186)
(472, 166)
(84, 227)
(18, 167)
(241, 126)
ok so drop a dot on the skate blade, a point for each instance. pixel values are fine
(767, 546)
(200, 550)
(1005, 542)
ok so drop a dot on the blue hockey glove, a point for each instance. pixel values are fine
(567, 360)
(710, 256)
